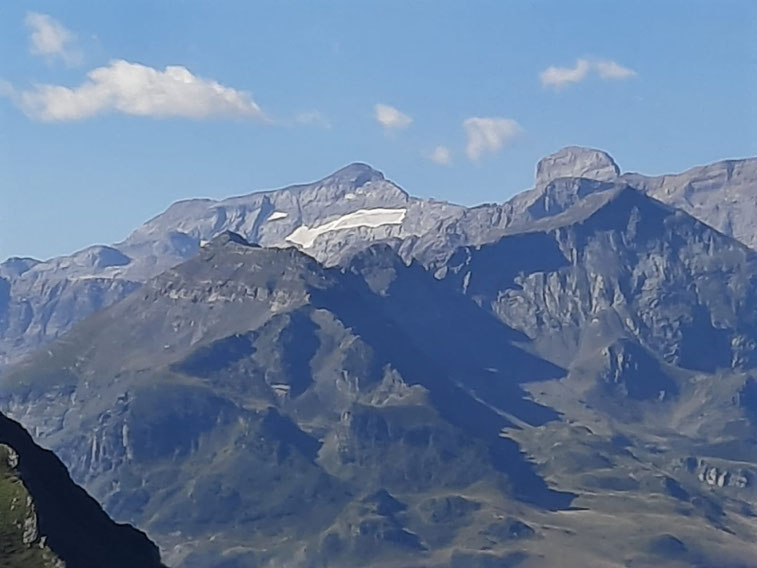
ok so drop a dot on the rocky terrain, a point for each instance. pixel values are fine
(48, 522)
(255, 381)
(338, 371)
(333, 218)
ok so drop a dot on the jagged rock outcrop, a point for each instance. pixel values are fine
(628, 370)
(723, 477)
(628, 265)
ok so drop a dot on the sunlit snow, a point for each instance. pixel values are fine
(305, 236)
(277, 215)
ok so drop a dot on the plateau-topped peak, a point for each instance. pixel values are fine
(576, 162)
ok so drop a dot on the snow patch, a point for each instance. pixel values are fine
(305, 236)
(350, 196)
(277, 215)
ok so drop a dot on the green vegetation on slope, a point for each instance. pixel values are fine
(46, 520)
(20, 544)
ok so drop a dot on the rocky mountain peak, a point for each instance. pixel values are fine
(576, 162)
(16, 266)
(356, 175)
(100, 256)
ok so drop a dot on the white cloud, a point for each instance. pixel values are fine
(51, 39)
(613, 70)
(391, 118)
(558, 77)
(441, 155)
(488, 134)
(131, 88)
(312, 118)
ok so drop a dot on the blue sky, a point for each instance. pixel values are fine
(110, 111)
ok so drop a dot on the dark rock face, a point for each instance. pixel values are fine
(623, 261)
(720, 194)
(61, 523)
(631, 372)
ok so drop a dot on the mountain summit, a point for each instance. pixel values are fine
(356, 175)
(576, 162)
(332, 219)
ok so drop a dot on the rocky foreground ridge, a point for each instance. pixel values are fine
(46, 521)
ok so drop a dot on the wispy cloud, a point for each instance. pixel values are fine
(134, 89)
(440, 155)
(558, 77)
(49, 38)
(391, 118)
(488, 135)
(612, 70)
(312, 118)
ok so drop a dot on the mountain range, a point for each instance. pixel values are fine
(337, 371)
(332, 218)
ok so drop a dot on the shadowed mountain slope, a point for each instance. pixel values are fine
(47, 521)
(254, 396)
(653, 314)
